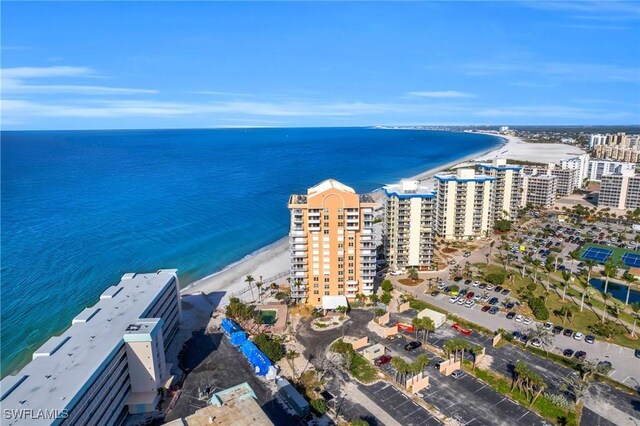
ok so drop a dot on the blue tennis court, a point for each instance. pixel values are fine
(599, 254)
(631, 260)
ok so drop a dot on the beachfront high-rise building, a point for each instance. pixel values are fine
(568, 181)
(507, 191)
(109, 363)
(408, 226)
(599, 168)
(580, 163)
(620, 190)
(464, 204)
(539, 190)
(596, 140)
(333, 251)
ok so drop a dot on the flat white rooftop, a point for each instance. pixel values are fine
(65, 364)
(409, 189)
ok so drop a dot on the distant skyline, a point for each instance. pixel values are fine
(117, 65)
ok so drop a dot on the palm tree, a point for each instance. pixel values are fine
(635, 307)
(423, 361)
(538, 384)
(491, 244)
(449, 348)
(610, 271)
(585, 287)
(417, 325)
(536, 264)
(566, 278)
(291, 356)
(259, 284)
(590, 264)
(249, 279)
(427, 326)
(629, 279)
(477, 350)
(605, 298)
(548, 267)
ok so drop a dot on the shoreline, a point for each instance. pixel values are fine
(273, 259)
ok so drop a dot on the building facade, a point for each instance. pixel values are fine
(408, 226)
(507, 189)
(333, 251)
(567, 181)
(580, 163)
(109, 363)
(464, 204)
(539, 190)
(618, 153)
(599, 168)
(620, 190)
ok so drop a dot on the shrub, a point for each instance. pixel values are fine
(531, 287)
(342, 347)
(272, 347)
(386, 298)
(559, 400)
(386, 285)
(358, 422)
(319, 406)
(281, 295)
(502, 225)
(496, 278)
(539, 310)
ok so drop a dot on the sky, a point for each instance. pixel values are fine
(116, 65)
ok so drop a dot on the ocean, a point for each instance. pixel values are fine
(80, 208)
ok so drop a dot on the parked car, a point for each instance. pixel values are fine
(467, 282)
(477, 297)
(536, 342)
(523, 338)
(482, 286)
(435, 293)
(510, 315)
(498, 289)
(461, 301)
(581, 355)
(636, 353)
(589, 339)
(457, 374)
(505, 292)
(605, 366)
(490, 287)
(516, 335)
(453, 299)
(476, 283)
(567, 332)
(493, 301)
(510, 305)
(578, 335)
(527, 321)
(396, 273)
(441, 286)
(557, 329)
(469, 304)
(567, 352)
(412, 345)
(494, 310)
(458, 278)
(548, 325)
(519, 318)
(384, 359)
(463, 292)
(470, 295)
(485, 308)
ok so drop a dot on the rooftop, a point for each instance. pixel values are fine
(410, 189)
(65, 364)
(464, 175)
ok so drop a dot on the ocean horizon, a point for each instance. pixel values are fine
(81, 208)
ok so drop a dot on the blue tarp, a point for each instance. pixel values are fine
(238, 338)
(230, 326)
(256, 358)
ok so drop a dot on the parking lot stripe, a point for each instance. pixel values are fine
(484, 386)
(499, 401)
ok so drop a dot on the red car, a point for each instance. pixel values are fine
(470, 295)
(384, 359)
(485, 308)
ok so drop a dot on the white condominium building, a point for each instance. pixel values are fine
(408, 226)
(507, 192)
(595, 140)
(568, 181)
(464, 204)
(109, 363)
(620, 190)
(599, 168)
(539, 190)
(333, 251)
(581, 163)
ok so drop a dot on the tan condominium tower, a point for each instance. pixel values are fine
(333, 251)
(465, 201)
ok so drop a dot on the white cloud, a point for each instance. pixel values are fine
(14, 82)
(441, 94)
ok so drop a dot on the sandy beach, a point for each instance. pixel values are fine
(274, 259)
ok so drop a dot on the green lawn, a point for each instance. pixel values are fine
(362, 369)
(616, 256)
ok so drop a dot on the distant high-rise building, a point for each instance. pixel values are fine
(599, 168)
(507, 191)
(595, 140)
(408, 227)
(464, 205)
(503, 129)
(568, 181)
(620, 190)
(108, 364)
(333, 251)
(580, 163)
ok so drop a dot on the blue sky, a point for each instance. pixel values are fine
(87, 65)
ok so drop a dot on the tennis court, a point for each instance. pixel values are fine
(631, 260)
(598, 254)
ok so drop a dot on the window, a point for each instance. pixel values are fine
(326, 217)
(340, 272)
(340, 279)
(340, 285)
(340, 223)
(325, 232)
(316, 285)
(351, 271)
(341, 259)
(326, 286)
(340, 245)
(326, 210)
(340, 217)
(350, 244)
(326, 280)
(326, 293)
(316, 292)
(340, 210)
(350, 257)
(351, 265)
(351, 238)
(326, 224)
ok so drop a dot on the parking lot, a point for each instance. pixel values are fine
(399, 405)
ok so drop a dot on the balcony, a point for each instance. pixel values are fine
(299, 254)
(298, 233)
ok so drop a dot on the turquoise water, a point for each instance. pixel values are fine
(80, 208)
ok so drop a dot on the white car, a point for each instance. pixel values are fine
(519, 318)
(476, 283)
(477, 297)
(527, 321)
(490, 287)
(441, 286)
(469, 304)
(396, 272)
(548, 325)
(536, 342)
(578, 335)
(454, 299)
(461, 301)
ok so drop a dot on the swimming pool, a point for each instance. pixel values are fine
(268, 317)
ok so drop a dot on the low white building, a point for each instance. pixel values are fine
(438, 318)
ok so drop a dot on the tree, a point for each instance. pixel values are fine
(319, 406)
(635, 307)
(548, 267)
(416, 323)
(401, 367)
(373, 298)
(413, 274)
(385, 298)
(536, 264)
(629, 279)
(386, 285)
(249, 279)
(259, 284)
(539, 332)
(427, 326)
(575, 386)
(477, 351)
(566, 278)
(605, 298)
(291, 356)
(610, 271)
(423, 361)
(271, 346)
